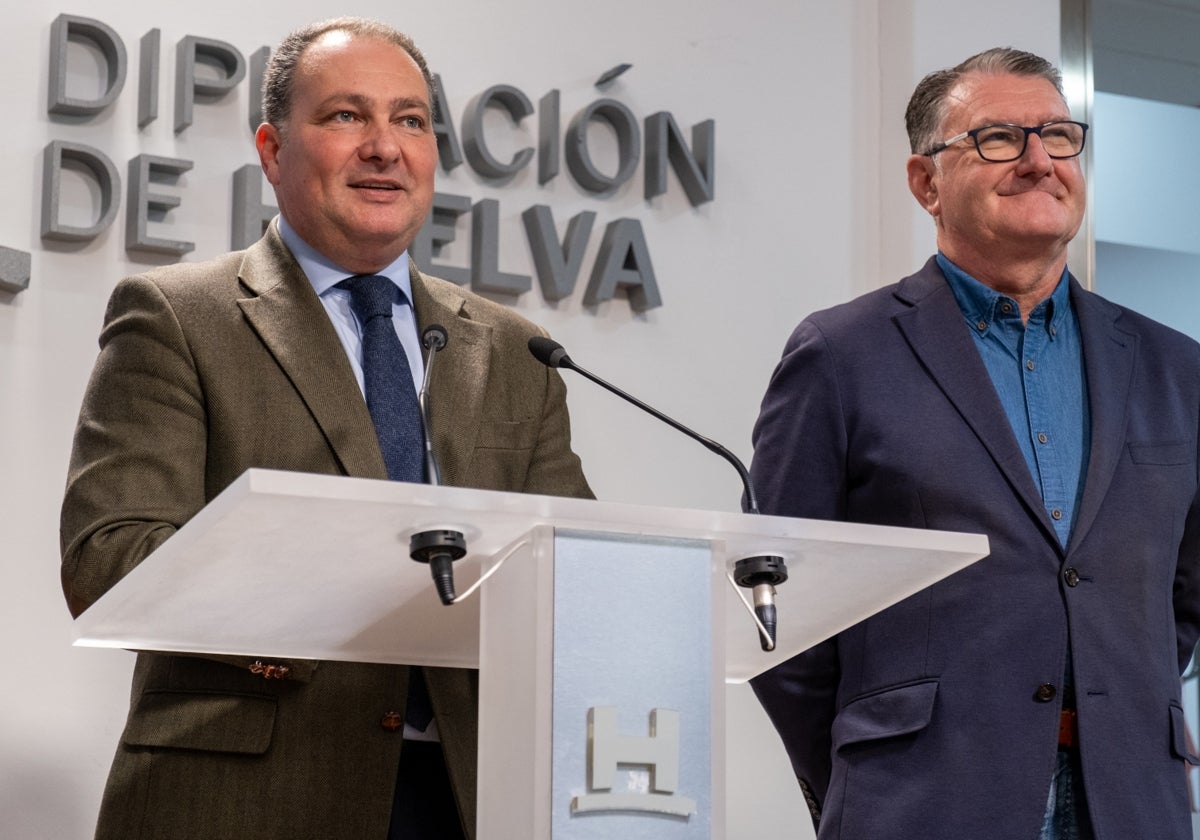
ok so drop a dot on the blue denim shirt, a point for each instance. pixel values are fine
(1038, 372)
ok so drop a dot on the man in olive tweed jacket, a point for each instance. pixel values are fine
(209, 369)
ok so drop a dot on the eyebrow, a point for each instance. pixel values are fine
(982, 121)
(364, 102)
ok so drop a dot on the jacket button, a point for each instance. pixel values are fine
(1045, 693)
(392, 722)
(270, 671)
(1071, 576)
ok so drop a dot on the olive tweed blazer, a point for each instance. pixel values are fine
(206, 370)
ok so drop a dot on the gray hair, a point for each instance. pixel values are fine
(926, 110)
(281, 68)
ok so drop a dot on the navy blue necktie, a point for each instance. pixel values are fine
(392, 401)
(387, 378)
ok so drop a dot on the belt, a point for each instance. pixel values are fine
(1068, 729)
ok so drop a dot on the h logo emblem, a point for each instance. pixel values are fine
(652, 772)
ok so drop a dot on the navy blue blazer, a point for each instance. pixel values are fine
(938, 717)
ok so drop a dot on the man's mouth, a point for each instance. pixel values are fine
(1054, 190)
(376, 185)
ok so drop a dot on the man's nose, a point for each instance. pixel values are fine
(380, 143)
(1035, 158)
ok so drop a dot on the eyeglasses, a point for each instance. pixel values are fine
(1002, 142)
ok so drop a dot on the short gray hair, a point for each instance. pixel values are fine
(278, 79)
(927, 108)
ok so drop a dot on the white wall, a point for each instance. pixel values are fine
(810, 210)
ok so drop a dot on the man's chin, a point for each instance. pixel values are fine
(382, 240)
(1042, 218)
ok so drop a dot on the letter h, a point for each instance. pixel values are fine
(660, 751)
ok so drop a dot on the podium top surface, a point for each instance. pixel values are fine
(297, 565)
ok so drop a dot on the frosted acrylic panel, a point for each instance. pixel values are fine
(632, 630)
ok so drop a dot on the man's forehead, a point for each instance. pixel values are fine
(1004, 97)
(342, 65)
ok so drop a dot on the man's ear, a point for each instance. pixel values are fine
(268, 141)
(922, 182)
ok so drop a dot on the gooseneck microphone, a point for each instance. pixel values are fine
(438, 547)
(552, 354)
(433, 339)
(762, 573)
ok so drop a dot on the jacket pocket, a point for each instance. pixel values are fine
(1180, 745)
(899, 710)
(214, 722)
(1161, 454)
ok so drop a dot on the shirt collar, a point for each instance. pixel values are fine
(323, 273)
(982, 305)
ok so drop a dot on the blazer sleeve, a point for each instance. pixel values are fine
(136, 471)
(799, 469)
(1186, 590)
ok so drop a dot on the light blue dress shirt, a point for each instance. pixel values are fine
(324, 275)
(1038, 372)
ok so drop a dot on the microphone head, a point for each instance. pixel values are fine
(435, 337)
(549, 352)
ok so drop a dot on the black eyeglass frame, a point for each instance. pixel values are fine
(1027, 129)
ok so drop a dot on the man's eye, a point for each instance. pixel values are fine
(999, 135)
(343, 116)
(413, 122)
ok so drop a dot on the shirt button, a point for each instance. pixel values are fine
(981, 326)
(1056, 514)
(1045, 693)
(1029, 365)
(1042, 438)
(1006, 308)
(392, 722)
(1071, 576)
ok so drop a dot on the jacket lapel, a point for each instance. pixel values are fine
(289, 318)
(460, 373)
(1109, 349)
(934, 329)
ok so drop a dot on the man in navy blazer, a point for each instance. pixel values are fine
(1035, 694)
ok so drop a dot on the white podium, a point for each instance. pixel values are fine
(603, 640)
